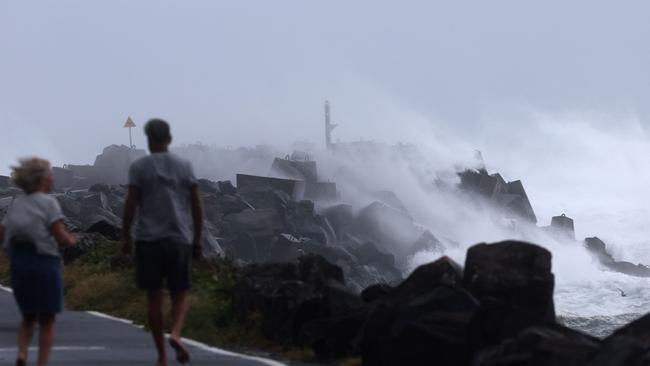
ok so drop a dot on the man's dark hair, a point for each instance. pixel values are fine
(157, 131)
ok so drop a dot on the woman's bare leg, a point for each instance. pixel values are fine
(25, 332)
(46, 337)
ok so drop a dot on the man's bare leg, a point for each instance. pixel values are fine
(25, 332)
(155, 299)
(179, 311)
(45, 337)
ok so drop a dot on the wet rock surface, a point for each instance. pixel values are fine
(598, 249)
(316, 273)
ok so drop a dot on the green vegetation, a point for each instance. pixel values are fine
(100, 281)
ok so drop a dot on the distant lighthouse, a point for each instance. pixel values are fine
(329, 126)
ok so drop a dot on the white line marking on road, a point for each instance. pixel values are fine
(109, 317)
(8, 289)
(191, 342)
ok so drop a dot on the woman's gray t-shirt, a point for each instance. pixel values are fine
(165, 183)
(29, 219)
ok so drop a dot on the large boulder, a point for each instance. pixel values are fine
(422, 320)
(257, 223)
(391, 229)
(541, 345)
(430, 328)
(340, 218)
(300, 220)
(514, 283)
(95, 207)
(598, 249)
(289, 295)
(427, 242)
(629, 346)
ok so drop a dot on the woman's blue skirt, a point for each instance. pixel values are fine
(37, 281)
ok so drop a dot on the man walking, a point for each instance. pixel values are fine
(164, 191)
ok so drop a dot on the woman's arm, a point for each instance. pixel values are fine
(62, 235)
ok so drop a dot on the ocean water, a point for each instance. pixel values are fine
(593, 167)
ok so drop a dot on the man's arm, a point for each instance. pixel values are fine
(197, 218)
(131, 204)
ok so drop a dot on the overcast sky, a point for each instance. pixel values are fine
(247, 72)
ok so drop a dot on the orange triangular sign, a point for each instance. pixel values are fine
(129, 123)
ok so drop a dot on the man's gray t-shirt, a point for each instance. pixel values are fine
(165, 183)
(30, 219)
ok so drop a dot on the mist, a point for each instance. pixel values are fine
(552, 93)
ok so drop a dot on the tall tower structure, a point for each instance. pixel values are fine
(329, 126)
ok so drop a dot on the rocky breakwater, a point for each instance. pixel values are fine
(498, 310)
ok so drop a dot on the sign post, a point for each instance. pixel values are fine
(129, 124)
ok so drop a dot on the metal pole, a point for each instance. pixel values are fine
(130, 139)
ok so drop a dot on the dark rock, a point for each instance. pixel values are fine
(598, 248)
(627, 346)
(211, 246)
(257, 223)
(226, 187)
(300, 220)
(511, 197)
(317, 270)
(100, 188)
(327, 228)
(245, 248)
(334, 254)
(212, 208)
(421, 330)
(443, 271)
(105, 228)
(427, 243)
(376, 292)
(392, 230)
(289, 295)
(514, 283)
(250, 182)
(340, 217)
(543, 345)
(521, 206)
(70, 206)
(208, 186)
(285, 248)
(228, 204)
(367, 253)
(93, 200)
(334, 337)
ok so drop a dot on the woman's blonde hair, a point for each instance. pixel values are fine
(30, 173)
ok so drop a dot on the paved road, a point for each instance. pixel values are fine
(83, 339)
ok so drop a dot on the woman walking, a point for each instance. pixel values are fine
(32, 231)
